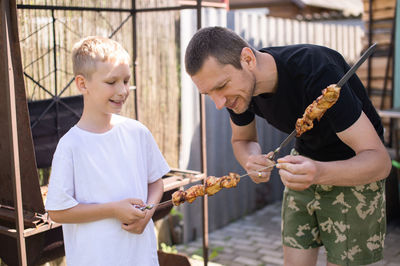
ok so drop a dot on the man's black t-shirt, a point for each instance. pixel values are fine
(303, 72)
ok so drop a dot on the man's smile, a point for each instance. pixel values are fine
(233, 104)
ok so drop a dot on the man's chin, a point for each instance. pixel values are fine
(238, 111)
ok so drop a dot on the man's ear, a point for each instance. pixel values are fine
(248, 58)
(80, 83)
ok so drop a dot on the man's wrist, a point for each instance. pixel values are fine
(319, 173)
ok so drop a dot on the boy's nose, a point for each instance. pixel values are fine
(123, 89)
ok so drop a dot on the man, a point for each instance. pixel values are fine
(334, 188)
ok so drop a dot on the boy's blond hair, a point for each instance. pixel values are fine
(91, 50)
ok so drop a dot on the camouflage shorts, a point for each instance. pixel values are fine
(349, 221)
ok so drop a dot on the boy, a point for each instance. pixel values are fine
(104, 167)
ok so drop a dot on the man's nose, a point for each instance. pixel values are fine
(219, 101)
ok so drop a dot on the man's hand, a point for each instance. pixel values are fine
(126, 212)
(257, 162)
(297, 172)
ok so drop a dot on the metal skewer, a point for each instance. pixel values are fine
(259, 170)
(151, 206)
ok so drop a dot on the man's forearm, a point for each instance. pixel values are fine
(244, 149)
(364, 168)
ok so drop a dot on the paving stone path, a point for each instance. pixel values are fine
(256, 240)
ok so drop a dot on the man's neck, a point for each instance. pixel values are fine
(266, 74)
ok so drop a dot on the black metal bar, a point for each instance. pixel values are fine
(37, 59)
(134, 58)
(54, 51)
(393, 56)
(388, 63)
(37, 83)
(100, 14)
(66, 87)
(68, 28)
(69, 108)
(55, 74)
(36, 31)
(393, 122)
(369, 44)
(120, 26)
(43, 113)
(105, 9)
(45, 76)
(65, 72)
(198, 9)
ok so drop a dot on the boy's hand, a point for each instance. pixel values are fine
(127, 213)
(138, 226)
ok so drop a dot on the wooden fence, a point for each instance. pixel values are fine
(47, 60)
(262, 31)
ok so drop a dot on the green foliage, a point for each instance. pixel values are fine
(168, 249)
(197, 257)
(175, 212)
(44, 174)
(396, 164)
(215, 251)
(198, 254)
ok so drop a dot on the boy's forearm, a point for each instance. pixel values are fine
(155, 192)
(83, 213)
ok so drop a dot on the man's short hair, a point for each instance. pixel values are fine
(221, 43)
(87, 52)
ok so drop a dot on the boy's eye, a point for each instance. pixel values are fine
(126, 81)
(110, 82)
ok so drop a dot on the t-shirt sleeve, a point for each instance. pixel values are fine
(157, 165)
(242, 119)
(348, 107)
(60, 195)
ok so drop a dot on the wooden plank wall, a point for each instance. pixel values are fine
(383, 19)
(261, 31)
(383, 12)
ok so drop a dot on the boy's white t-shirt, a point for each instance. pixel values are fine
(99, 168)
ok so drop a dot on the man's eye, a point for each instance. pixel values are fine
(221, 87)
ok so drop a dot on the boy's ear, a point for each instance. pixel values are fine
(247, 57)
(80, 82)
